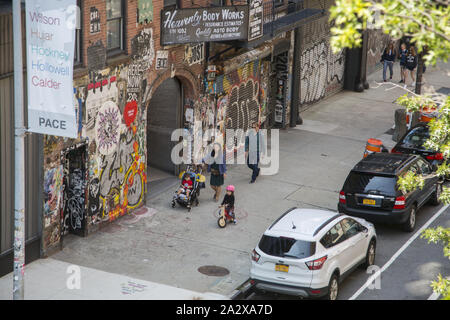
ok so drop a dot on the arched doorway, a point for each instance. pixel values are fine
(163, 117)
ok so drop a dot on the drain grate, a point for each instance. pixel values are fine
(213, 271)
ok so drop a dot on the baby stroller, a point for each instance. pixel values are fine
(198, 182)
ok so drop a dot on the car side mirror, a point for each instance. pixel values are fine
(363, 229)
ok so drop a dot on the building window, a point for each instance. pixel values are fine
(218, 3)
(278, 3)
(114, 24)
(77, 52)
(172, 3)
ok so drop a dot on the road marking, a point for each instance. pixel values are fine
(434, 296)
(397, 254)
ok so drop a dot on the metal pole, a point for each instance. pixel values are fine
(418, 87)
(19, 158)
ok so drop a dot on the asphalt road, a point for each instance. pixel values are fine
(408, 277)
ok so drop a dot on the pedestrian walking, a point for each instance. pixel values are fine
(388, 59)
(255, 146)
(217, 168)
(402, 57)
(411, 65)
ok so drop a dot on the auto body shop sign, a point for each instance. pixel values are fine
(50, 29)
(204, 24)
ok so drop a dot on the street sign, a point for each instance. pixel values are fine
(255, 23)
(50, 52)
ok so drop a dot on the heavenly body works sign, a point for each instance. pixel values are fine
(203, 24)
(50, 47)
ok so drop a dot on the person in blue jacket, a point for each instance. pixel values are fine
(402, 56)
(388, 59)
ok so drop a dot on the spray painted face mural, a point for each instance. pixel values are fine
(107, 128)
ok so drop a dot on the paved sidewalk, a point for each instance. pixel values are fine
(161, 245)
(50, 279)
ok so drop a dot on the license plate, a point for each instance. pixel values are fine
(371, 202)
(281, 268)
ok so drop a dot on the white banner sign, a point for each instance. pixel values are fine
(50, 33)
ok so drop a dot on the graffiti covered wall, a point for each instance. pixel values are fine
(321, 71)
(111, 101)
(241, 90)
(236, 105)
(109, 104)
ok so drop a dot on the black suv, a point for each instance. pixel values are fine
(371, 191)
(413, 142)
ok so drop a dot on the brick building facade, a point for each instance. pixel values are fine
(130, 93)
(102, 175)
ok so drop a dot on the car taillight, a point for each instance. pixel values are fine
(342, 198)
(255, 256)
(436, 156)
(400, 202)
(316, 264)
(394, 151)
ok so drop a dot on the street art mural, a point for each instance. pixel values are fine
(52, 194)
(322, 72)
(264, 90)
(238, 103)
(110, 105)
(122, 177)
(107, 128)
(244, 104)
(242, 89)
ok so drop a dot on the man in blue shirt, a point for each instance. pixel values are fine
(254, 146)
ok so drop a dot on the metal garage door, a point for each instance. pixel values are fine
(162, 118)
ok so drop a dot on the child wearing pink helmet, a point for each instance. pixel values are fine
(228, 202)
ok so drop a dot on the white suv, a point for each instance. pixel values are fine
(308, 252)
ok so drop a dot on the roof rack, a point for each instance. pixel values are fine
(326, 222)
(281, 217)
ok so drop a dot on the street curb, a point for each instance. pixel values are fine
(241, 292)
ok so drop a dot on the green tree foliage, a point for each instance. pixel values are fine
(427, 23)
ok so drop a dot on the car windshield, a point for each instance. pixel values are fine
(287, 247)
(416, 138)
(368, 183)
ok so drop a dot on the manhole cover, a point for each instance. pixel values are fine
(214, 271)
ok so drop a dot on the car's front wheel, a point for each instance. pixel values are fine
(434, 200)
(370, 255)
(410, 224)
(333, 288)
